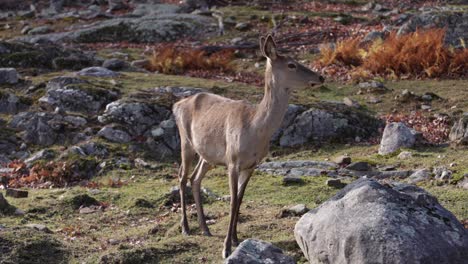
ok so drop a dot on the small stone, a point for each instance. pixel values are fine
(342, 160)
(419, 175)
(113, 241)
(425, 107)
(25, 30)
(292, 180)
(374, 100)
(336, 183)
(87, 210)
(15, 193)
(40, 30)
(350, 102)
(359, 166)
(39, 227)
(210, 222)
(296, 210)
(140, 63)
(405, 155)
(242, 26)
(97, 72)
(453, 164)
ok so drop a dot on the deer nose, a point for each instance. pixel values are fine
(322, 80)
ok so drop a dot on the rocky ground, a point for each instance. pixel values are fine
(89, 149)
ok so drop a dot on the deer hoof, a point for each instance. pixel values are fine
(226, 253)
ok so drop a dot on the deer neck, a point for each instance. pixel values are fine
(271, 110)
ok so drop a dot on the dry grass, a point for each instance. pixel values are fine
(176, 60)
(421, 54)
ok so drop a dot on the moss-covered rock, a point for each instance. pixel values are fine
(135, 256)
(76, 201)
(28, 246)
(48, 56)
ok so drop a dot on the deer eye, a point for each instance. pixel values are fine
(291, 66)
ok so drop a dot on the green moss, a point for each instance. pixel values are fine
(30, 246)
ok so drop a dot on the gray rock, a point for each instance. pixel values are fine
(464, 182)
(115, 5)
(459, 132)
(372, 87)
(39, 227)
(97, 72)
(296, 169)
(335, 183)
(359, 166)
(115, 135)
(243, 26)
(399, 224)
(342, 160)
(43, 128)
(252, 251)
(296, 210)
(147, 29)
(94, 149)
(137, 117)
(329, 121)
(351, 103)
(44, 154)
(179, 92)
(151, 10)
(8, 76)
(140, 63)
(12, 104)
(455, 23)
(405, 155)
(115, 64)
(4, 160)
(419, 175)
(5, 207)
(44, 55)
(373, 35)
(40, 30)
(73, 94)
(291, 113)
(442, 173)
(396, 135)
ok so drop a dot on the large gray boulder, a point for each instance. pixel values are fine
(455, 23)
(146, 29)
(136, 116)
(77, 95)
(44, 56)
(395, 136)
(253, 251)
(328, 121)
(459, 132)
(372, 223)
(44, 128)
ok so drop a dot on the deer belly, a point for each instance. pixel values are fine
(210, 150)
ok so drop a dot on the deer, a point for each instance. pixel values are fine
(234, 133)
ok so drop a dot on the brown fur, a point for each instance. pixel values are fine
(235, 133)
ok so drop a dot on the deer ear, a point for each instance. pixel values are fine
(269, 48)
(262, 45)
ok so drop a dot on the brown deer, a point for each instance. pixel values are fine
(235, 133)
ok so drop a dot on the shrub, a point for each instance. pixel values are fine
(170, 59)
(419, 54)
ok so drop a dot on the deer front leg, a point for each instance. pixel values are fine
(196, 186)
(233, 176)
(244, 178)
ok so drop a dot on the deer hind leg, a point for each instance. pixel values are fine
(233, 172)
(187, 155)
(204, 167)
(244, 178)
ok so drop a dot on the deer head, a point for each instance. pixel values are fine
(286, 72)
